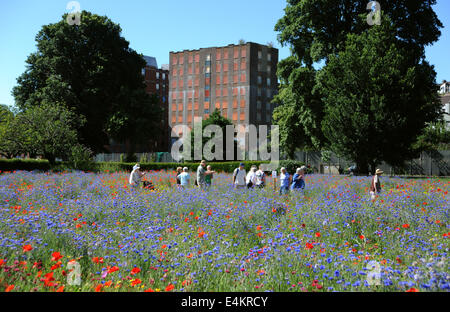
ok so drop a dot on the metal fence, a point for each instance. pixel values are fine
(428, 164)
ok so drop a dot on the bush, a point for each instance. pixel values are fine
(82, 161)
(81, 158)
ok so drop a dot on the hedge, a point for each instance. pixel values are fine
(44, 165)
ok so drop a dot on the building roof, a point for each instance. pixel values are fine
(151, 61)
(226, 46)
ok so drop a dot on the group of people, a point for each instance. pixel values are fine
(203, 180)
(255, 178)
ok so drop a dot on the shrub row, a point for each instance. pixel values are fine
(44, 165)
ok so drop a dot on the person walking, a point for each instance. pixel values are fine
(375, 185)
(285, 181)
(179, 171)
(260, 178)
(184, 178)
(298, 180)
(251, 178)
(239, 176)
(209, 175)
(201, 175)
(136, 176)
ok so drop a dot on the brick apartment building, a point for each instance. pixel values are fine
(239, 80)
(157, 82)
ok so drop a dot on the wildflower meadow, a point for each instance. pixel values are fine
(86, 232)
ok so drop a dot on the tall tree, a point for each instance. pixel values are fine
(91, 68)
(317, 30)
(375, 99)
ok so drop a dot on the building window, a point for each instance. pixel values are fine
(157, 75)
(259, 80)
(157, 86)
(269, 93)
(164, 76)
(208, 69)
(260, 55)
(269, 57)
(258, 104)
(268, 82)
(269, 69)
(206, 111)
(268, 106)
(258, 116)
(207, 87)
(164, 99)
(259, 92)
(207, 99)
(208, 58)
(143, 72)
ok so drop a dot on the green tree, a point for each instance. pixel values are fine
(47, 130)
(7, 149)
(376, 101)
(434, 137)
(91, 68)
(315, 31)
(214, 119)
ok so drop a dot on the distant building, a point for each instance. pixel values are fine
(445, 100)
(444, 88)
(239, 80)
(157, 81)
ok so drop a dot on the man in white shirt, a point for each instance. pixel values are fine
(239, 176)
(251, 177)
(184, 177)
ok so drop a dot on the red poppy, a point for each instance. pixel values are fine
(170, 287)
(9, 288)
(27, 248)
(412, 290)
(405, 226)
(98, 288)
(60, 289)
(318, 234)
(149, 290)
(362, 237)
(56, 256)
(136, 282)
(135, 271)
(2, 262)
(112, 269)
(97, 260)
(309, 246)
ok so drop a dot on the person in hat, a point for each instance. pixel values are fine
(239, 176)
(136, 176)
(375, 185)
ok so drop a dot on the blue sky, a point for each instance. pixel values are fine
(157, 27)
